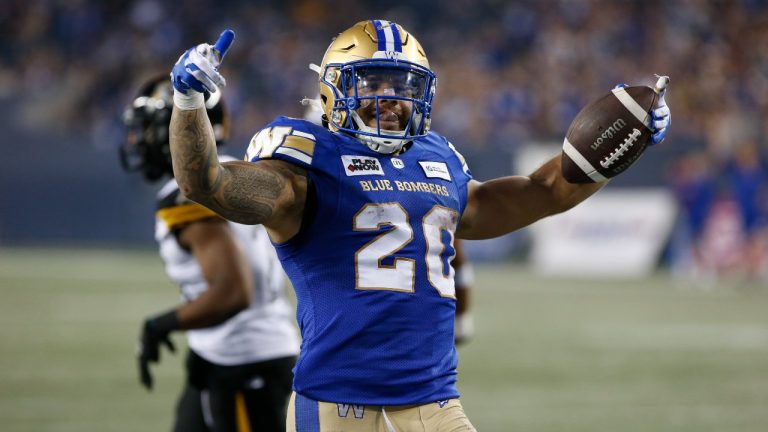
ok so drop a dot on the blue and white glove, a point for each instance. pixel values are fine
(197, 72)
(661, 117)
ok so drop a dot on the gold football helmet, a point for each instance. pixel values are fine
(370, 65)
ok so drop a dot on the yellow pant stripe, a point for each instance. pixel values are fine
(243, 423)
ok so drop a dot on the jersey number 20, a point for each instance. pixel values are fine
(371, 274)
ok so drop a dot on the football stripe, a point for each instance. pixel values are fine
(631, 104)
(582, 162)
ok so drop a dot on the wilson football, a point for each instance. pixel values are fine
(609, 134)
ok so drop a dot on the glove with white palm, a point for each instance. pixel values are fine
(661, 118)
(197, 72)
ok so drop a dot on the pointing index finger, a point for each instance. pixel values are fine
(661, 83)
(224, 42)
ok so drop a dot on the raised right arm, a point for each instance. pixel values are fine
(267, 192)
(271, 193)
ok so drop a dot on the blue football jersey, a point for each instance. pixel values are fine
(371, 266)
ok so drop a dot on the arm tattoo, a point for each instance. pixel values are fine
(244, 192)
(248, 193)
(193, 150)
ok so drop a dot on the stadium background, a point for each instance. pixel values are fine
(78, 269)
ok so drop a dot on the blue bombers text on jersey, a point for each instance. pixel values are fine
(371, 267)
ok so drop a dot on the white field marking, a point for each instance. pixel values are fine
(105, 275)
(734, 337)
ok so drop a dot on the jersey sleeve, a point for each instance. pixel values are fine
(462, 161)
(462, 174)
(286, 139)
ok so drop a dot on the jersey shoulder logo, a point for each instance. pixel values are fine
(361, 165)
(290, 143)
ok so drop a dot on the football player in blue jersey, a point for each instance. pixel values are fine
(363, 214)
(464, 274)
(239, 325)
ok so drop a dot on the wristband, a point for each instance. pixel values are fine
(188, 102)
(464, 326)
(166, 322)
(464, 275)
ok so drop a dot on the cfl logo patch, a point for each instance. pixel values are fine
(361, 165)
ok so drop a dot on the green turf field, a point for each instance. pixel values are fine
(550, 354)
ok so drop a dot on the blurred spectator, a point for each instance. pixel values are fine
(721, 246)
(693, 184)
(517, 71)
(747, 174)
(723, 229)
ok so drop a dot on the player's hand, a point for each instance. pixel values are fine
(464, 328)
(197, 70)
(661, 117)
(154, 333)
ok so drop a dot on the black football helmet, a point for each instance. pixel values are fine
(147, 118)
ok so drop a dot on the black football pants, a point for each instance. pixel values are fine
(241, 398)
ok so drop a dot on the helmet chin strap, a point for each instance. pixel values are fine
(384, 145)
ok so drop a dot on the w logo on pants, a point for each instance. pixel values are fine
(357, 410)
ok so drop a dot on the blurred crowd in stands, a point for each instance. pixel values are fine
(509, 73)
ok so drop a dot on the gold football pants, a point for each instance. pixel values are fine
(307, 415)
